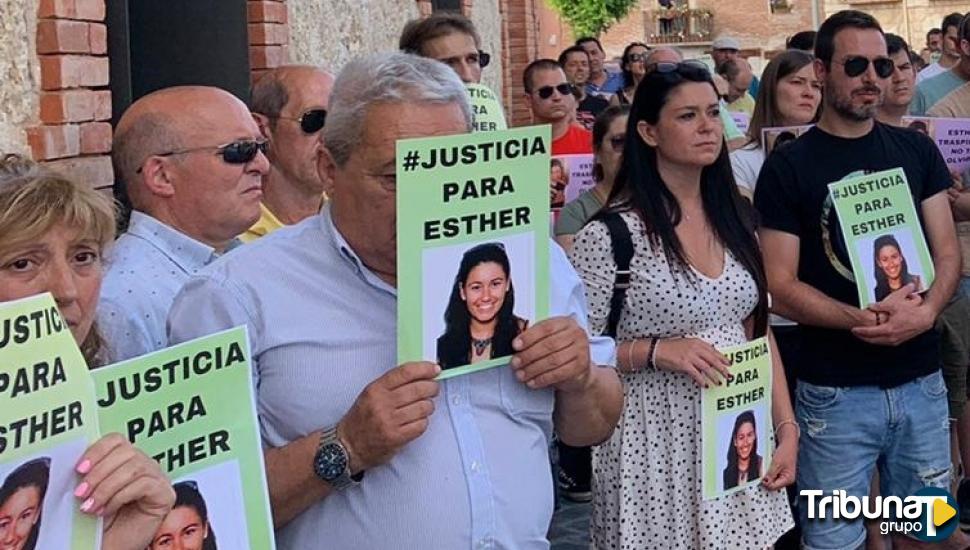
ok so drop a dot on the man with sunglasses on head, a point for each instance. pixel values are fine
(289, 104)
(192, 161)
(870, 391)
(450, 38)
(550, 96)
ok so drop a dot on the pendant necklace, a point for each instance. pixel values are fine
(481, 345)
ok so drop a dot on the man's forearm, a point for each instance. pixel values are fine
(588, 417)
(947, 268)
(807, 305)
(293, 485)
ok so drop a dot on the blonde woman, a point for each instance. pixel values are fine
(53, 233)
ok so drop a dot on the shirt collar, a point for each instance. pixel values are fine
(186, 252)
(340, 244)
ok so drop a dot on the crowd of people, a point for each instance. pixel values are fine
(280, 215)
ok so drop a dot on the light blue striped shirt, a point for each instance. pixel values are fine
(147, 266)
(322, 327)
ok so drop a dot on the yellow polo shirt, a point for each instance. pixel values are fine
(743, 104)
(266, 224)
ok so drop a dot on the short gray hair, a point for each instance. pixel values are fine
(386, 78)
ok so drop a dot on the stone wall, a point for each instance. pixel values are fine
(912, 23)
(488, 20)
(19, 73)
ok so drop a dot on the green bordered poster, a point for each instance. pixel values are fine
(487, 114)
(736, 422)
(191, 407)
(48, 418)
(472, 245)
(882, 233)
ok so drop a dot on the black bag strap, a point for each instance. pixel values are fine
(622, 245)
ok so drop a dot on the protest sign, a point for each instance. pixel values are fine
(736, 422)
(569, 176)
(882, 234)
(952, 137)
(472, 245)
(48, 418)
(191, 407)
(742, 121)
(778, 135)
(487, 115)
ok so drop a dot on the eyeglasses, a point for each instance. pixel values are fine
(237, 152)
(635, 57)
(545, 92)
(617, 142)
(857, 64)
(311, 121)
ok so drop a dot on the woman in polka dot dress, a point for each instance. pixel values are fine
(697, 283)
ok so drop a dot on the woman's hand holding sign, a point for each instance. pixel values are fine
(127, 488)
(783, 461)
(693, 357)
(391, 412)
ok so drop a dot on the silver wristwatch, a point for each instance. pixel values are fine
(331, 462)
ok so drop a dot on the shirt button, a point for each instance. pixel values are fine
(456, 400)
(484, 543)
(476, 467)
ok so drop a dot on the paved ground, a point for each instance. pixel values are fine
(570, 527)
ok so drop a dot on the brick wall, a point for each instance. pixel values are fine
(73, 133)
(269, 35)
(520, 38)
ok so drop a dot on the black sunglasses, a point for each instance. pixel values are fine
(311, 121)
(484, 58)
(545, 92)
(857, 64)
(634, 57)
(237, 152)
(691, 66)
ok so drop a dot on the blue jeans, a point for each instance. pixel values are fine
(847, 432)
(964, 286)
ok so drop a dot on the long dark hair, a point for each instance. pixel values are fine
(754, 462)
(187, 494)
(34, 473)
(454, 346)
(627, 73)
(766, 113)
(882, 282)
(640, 188)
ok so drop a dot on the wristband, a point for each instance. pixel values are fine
(798, 429)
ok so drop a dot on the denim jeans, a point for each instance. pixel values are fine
(847, 432)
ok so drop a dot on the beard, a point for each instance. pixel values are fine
(859, 113)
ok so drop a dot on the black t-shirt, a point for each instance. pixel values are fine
(792, 196)
(589, 109)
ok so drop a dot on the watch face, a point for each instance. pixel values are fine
(331, 462)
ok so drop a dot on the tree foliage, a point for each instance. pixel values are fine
(592, 17)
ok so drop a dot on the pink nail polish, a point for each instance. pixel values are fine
(84, 467)
(87, 505)
(81, 490)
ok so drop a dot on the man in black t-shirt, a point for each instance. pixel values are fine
(575, 63)
(870, 392)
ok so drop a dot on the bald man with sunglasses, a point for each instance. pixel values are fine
(290, 104)
(192, 161)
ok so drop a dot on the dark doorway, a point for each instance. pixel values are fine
(156, 44)
(446, 5)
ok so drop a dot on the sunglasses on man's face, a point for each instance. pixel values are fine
(311, 121)
(856, 65)
(237, 152)
(545, 92)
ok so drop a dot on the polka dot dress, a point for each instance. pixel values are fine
(647, 476)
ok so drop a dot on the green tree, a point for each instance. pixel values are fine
(592, 17)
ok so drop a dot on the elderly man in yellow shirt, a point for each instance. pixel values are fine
(289, 104)
(739, 75)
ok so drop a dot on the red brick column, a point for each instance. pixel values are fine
(269, 35)
(74, 134)
(519, 48)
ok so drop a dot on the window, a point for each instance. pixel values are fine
(446, 5)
